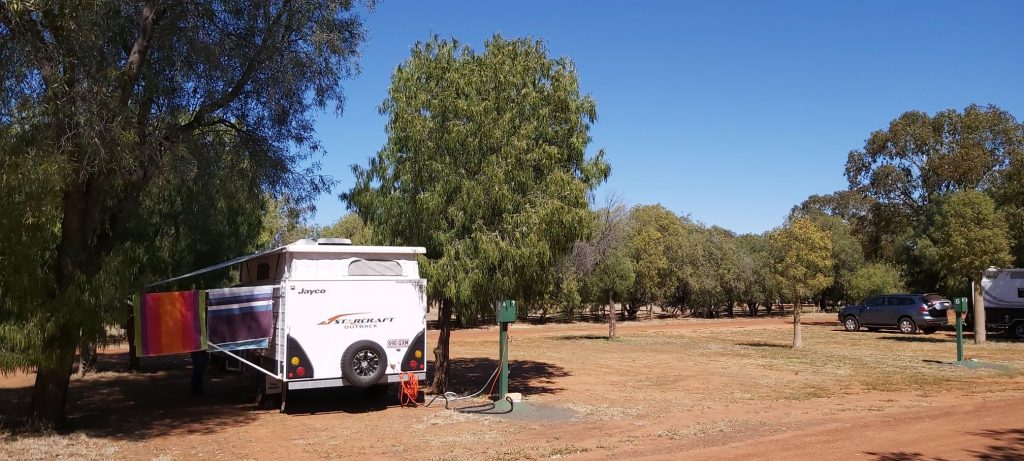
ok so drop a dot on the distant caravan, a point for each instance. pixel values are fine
(1003, 290)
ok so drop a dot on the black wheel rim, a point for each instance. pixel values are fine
(365, 363)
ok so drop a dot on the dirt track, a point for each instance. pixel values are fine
(669, 389)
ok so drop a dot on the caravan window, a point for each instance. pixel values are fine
(377, 267)
(263, 271)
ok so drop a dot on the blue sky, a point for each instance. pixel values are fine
(730, 112)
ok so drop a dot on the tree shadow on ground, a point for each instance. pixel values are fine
(582, 337)
(821, 323)
(469, 375)
(155, 401)
(764, 344)
(914, 339)
(1005, 445)
(1008, 445)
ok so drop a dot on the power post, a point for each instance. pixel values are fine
(505, 314)
(960, 306)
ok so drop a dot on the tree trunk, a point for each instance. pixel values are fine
(129, 332)
(53, 372)
(611, 317)
(441, 364)
(732, 309)
(752, 308)
(49, 395)
(979, 314)
(797, 339)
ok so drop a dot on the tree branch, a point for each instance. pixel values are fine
(33, 38)
(137, 57)
(198, 120)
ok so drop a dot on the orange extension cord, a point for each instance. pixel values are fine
(410, 390)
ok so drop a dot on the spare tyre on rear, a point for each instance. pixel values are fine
(362, 364)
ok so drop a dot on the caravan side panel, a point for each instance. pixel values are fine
(1004, 297)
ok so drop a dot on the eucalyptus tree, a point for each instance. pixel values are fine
(349, 226)
(762, 287)
(485, 165)
(917, 160)
(144, 119)
(656, 246)
(803, 263)
(872, 279)
(972, 236)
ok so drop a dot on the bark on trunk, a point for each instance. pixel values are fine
(732, 309)
(979, 314)
(797, 339)
(53, 373)
(441, 364)
(49, 395)
(129, 329)
(611, 317)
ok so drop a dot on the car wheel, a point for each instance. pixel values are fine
(363, 364)
(907, 325)
(850, 323)
(1017, 330)
(929, 330)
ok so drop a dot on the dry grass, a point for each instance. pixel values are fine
(709, 367)
(51, 446)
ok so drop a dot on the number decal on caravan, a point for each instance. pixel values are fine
(398, 343)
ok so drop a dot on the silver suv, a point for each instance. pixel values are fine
(905, 312)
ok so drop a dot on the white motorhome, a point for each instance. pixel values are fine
(343, 315)
(1004, 300)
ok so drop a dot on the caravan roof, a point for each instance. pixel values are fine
(303, 246)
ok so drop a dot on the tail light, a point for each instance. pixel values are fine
(924, 308)
(298, 364)
(415, 357)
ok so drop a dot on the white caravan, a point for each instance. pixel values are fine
(343, 315)
(1004, 300)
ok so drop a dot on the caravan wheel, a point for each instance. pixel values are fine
(1017, 330)
(362, 364)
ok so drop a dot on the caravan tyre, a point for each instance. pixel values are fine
(1017, 330)
(362, 364)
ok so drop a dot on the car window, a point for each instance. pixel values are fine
(899, 301)
(876, 301)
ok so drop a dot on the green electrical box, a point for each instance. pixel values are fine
(960, 304)
(506, 312)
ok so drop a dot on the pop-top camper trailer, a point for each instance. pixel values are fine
(343, 315)
(1004, 300)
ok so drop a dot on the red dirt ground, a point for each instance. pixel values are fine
(613, 401)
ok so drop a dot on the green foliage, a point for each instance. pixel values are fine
(352, 227)
(803, 258)
(911, 167)
(872, 279)
(971, 235)
(613, 276)
(157, 130)
(656, 243)
(485, 166)
(284, 222)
